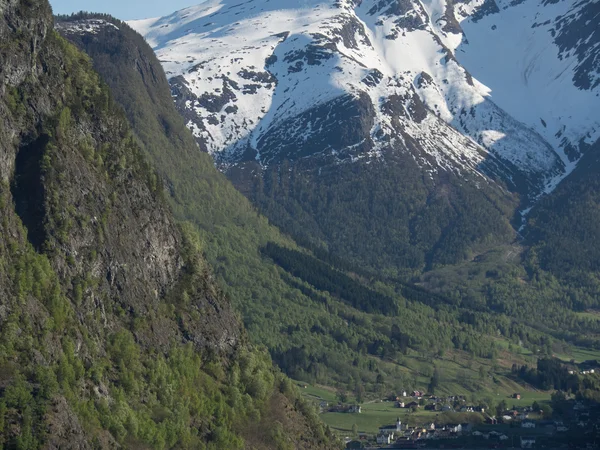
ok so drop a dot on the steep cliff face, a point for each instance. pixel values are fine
(113, 333)
(80, 184)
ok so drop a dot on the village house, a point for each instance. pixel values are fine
(517, 396)
(453, 427)
(340, 408)
(385, 438)
(397, 428)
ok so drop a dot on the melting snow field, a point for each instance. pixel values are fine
(495, 85)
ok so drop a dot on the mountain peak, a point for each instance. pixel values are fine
(252, 74)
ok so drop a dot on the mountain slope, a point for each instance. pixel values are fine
(403, 137)
(312, 317)
(113, 331)
(242, 73)
(552, 82)
(314, 330)
(328, 90)
(563, 226)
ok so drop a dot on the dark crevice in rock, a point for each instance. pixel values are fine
(28, 189)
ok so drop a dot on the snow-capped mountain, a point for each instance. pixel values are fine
(495, 87)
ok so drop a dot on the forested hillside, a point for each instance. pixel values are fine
(563, 227)
(385, 215)
(323, 314)
(113, 332)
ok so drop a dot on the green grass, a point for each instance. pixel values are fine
(583, 354)
(317, 392)
(580, 354)
(375, 415)
(528, 397)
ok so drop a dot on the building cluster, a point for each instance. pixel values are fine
(453, 403)
(581, 421)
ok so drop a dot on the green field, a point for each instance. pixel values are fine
(375, 415)
(317, 392)
(378, 413)
(580, 355)
(528, 397)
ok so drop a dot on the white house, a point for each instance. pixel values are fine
(453, 427)
(385, 438)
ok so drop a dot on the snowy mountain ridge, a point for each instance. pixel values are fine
(502, 87)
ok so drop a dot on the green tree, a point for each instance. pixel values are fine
(434, 382)
(342, 395)
(547, 411)
(501, 407)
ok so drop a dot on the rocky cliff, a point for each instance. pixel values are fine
(113, 332)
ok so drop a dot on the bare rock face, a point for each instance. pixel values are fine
(64, 428)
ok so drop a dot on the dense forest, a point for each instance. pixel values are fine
(385, 215)
(563, 227)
